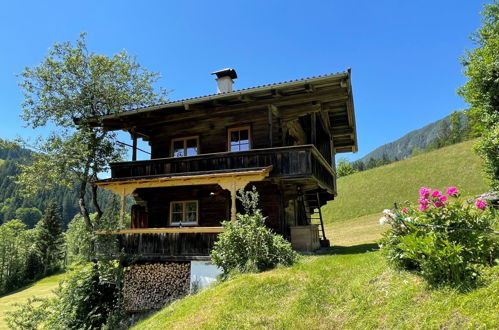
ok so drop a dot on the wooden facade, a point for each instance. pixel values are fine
(281, 138)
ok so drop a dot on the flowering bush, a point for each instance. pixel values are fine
(446, 239)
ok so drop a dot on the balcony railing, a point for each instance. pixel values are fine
(287, 162)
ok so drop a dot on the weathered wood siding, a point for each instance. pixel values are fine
(212, 132)
(213, 209)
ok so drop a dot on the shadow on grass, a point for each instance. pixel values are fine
(354, 249)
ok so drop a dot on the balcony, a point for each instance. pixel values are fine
(301, 163)
(167, 244)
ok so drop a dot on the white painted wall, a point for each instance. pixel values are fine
(203, 273)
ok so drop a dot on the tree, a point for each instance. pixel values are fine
(344, 168)
(481, 91)
(49, 240)
(66, 90)
(29, 215)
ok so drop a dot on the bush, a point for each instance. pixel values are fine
(447, 240)
(88, 299)
(247, 245)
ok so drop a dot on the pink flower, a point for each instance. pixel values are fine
(443, 198)
(480, 204)
(436, 193)
(452, 191)
(423, 201)
(404, 210)
(438, 204)
(424, 192)
(423, 207)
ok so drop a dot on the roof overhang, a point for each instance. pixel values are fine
(230, 180)
(328, 93)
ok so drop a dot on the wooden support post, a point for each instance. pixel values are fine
(134, 148)
(313, 124)
(122, 210)
(270, 124)
(233, 193)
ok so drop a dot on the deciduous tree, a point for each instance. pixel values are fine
(69, 87)
(481, 91)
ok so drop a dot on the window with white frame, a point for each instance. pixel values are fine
(239, 138)
(184, 212)
(188, 146)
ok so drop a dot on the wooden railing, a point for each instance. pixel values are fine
(167, 246)
(287, 162)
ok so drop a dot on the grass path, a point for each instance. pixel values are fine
(41, 289)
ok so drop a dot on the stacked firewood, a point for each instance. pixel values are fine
(150, 286)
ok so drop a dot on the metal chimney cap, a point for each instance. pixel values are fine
(227, 72)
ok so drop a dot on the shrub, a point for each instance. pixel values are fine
(447, 240)
(247, 245)
(88, 299)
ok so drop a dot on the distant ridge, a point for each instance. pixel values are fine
(420, 138)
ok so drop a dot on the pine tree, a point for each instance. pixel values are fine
(50, 241)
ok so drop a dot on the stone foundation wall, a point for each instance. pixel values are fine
(150, 286)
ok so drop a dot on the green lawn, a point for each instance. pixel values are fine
(41, 289)
(352, 288)
(371, 191)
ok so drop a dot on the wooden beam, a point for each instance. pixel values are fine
(171, 230)
(313, 124)
(134, 147)
(269, 123)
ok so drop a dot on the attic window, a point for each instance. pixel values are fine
(239, 138)
(188, 146)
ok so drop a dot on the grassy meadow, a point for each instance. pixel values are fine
(42, 289)
(372, 191)
(350, 288)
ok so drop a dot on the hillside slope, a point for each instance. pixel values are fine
(349, 290)
(371, 191)
(42, 289)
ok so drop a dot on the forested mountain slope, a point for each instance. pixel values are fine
(10, 195)
(420, 138)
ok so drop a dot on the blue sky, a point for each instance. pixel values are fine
(403, 54)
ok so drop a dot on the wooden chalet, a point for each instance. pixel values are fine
(281, 138)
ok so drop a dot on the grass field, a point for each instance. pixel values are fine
(41, 289)
(351, 286)
(371, 191)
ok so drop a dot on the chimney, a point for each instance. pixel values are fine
(225, 80)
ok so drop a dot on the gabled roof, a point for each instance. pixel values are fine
(316, 89)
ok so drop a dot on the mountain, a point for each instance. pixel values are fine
(11, 199)
(420, 138)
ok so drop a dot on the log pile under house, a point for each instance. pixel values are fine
(281, 138)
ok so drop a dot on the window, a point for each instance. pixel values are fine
(185, 146)
(184, 212)
(239, 139)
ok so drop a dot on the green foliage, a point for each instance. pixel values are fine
(447, 240)
(71, 86)
(481, 91)
(88, 299)
(247, 245)
(50, 240)
(79, 241)
(29, 215)
(344, 168)
(18, 256)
